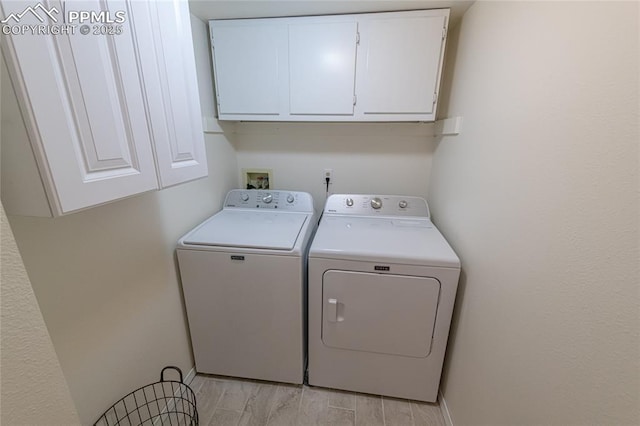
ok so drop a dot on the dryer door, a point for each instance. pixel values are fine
(383, 313)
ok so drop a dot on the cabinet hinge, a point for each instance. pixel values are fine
(355, 99)
(435, 97)
(444, 33)
(358, 37)
(212, 42)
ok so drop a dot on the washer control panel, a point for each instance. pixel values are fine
(377, 205)
(266, 199)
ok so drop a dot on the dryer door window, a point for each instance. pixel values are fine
(383, 313)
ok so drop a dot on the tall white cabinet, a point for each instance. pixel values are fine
(165, 46)
(107, 116)
(365, 67)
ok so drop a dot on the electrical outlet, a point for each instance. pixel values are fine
(328, 173)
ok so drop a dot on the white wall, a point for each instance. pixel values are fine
(539, 197)
(107, 282)
(34, 390)
(380, 158)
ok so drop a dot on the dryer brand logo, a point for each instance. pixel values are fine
(41, 20)
(381, 268)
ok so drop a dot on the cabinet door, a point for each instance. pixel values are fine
(400, 68)
(322, 61)
(165, 48)
(250, 66)
(82, 100)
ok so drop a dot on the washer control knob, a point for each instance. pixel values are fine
(376, 203)
(267, 198)
(290, 199)
(402, 204)
(350, 202)
(244, 196)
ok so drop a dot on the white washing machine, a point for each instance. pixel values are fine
(382, 285)
(244, 282)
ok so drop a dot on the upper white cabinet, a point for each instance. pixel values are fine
(403, 61)
(83, 106)
(251, 71)
(163, 34)
(322, 63)
(366, 67)
(106, 116)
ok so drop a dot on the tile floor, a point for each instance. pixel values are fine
(224, 401)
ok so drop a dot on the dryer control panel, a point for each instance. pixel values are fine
(293, 201)
(377, 205)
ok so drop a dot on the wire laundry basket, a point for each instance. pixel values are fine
(167, 402)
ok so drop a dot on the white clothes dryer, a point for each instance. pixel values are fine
(244, 282)
(382, 286)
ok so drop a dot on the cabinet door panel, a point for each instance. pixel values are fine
(163, 31)
(402, 65)
(102, 123)
(322, 60)
(250, 67)
(82, 99)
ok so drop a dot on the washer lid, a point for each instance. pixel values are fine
(249, 229)
(410, 241)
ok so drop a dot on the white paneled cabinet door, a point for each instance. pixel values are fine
(402, 59)
(250, 66)
(82, 99)
(322, 63)
(163, 32)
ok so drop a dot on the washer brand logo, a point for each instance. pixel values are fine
(381, 268)
(34, 11)
(237, 257)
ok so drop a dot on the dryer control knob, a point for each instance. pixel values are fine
(376, 203)
(290, 199)
(402, 204)
(350, 202)
(267, 198)
(244, 196)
